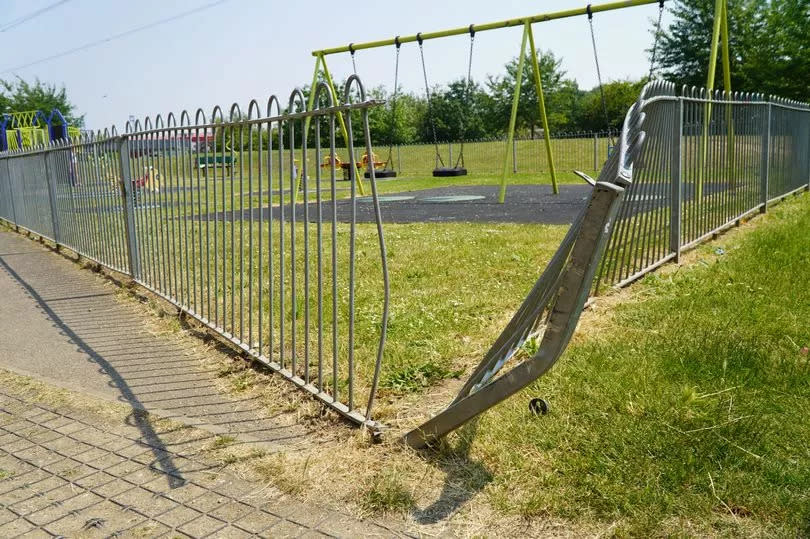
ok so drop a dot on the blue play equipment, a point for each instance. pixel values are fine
(23, 130)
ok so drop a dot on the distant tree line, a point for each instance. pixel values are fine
(482, 109)
(769, 44)
(770, 53)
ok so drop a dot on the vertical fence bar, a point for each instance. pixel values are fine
(399, 160)
(514, 156)
(676, 184)
(764, 172)
(51, 180)
(595, 151)
(133, 260)
(11, 194)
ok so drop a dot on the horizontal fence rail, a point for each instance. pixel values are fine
(201, 213)
(711, 160)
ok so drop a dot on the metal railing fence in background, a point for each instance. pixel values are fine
(585, 151)
(710, 161)
(213, 229)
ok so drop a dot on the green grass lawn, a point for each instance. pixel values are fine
(682, 407)
(685, 409)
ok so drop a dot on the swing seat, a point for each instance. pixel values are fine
(382, 173)
(443, 172)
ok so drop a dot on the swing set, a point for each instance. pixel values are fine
(458, 168)
(555, 303)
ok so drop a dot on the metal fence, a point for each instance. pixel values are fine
(194, 226)
(710, 161)
(213, 228)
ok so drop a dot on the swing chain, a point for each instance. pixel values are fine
(657, 37)
(352, 51)
(389, 161)
(467, 92)
(439, 159)
(599, 75)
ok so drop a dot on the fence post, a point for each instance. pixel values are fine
(807, 148)
(595, 151)
(399, 160)
(514, 156)
(57, 236)
(765, 160)
(449, 154)
(11, 194)
(129, 218)
(676, 184)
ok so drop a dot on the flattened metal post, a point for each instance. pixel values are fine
(574, 287)
(765, 161)
(133, 260)
(676, 182)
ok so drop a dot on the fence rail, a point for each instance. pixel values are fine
(193, 226)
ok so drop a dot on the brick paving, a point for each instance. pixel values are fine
(65, 473)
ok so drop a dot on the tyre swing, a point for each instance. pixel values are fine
(441, 170)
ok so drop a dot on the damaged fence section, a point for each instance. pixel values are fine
(710, 161)
(232, 216)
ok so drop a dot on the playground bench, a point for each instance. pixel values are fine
(225, 161)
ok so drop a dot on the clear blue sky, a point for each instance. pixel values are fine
(245, 49)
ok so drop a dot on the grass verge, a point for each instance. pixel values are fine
(681, 410)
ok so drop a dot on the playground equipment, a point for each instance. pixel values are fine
(720, 31)
(27, 129)
(443, 171)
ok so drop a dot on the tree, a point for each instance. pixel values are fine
(528, 114)
(398, 124)
(768, 42)
(779, 64)
(20, 96)
(457, 112)
(619, 97)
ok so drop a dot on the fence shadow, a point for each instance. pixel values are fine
(138, 418)
(465, 477)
